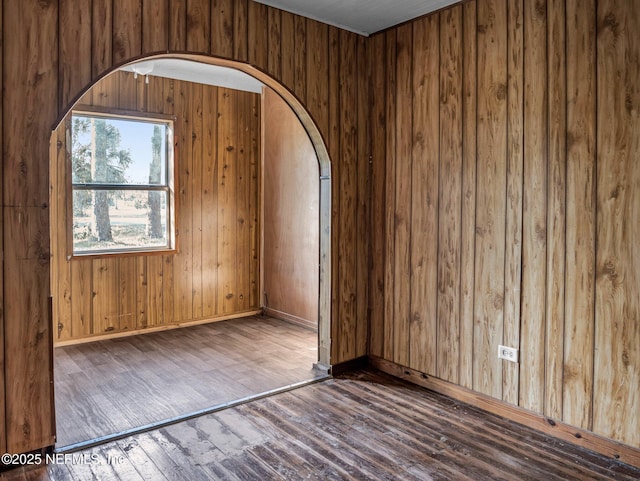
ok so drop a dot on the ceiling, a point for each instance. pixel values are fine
(360, 16)
(364, 17)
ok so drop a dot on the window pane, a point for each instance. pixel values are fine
(117, 220)
(118, 151)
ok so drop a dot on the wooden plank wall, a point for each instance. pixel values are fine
(53, 49)
(502, 168)
(215, 272)
(291, 203)
(3, 437)
(617, 326)
(30, 69)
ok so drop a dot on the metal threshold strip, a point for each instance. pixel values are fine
(184, 417)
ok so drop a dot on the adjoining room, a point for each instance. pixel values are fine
(184, 195)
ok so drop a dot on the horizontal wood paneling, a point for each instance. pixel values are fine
(512, 235)
(54, 48)
(126, 292)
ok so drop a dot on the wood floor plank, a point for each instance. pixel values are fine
(494, 431)
(140, 459)
(450, 437)
(409, 445)
(362, 425)
(110, 386)
(325, 435)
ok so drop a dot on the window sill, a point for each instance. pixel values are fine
(123, 253)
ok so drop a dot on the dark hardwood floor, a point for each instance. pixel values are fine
(110, 386)
(361, 426)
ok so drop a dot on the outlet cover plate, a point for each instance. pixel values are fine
(508, 353)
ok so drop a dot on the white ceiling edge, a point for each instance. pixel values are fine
(197, 72)
(364, 17)
(307, 14)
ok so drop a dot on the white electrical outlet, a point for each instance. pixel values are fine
(508, 353)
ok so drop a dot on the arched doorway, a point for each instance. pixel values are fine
(323, 360)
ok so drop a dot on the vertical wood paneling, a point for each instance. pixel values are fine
(177, 24)
(226, 200)
(258, 35)
(515, 154)
(254, 138)
(417, 185)
(127, 293)
(491, 194)
(240, 30)
(580, 234)
(334, 147)
(127, 38)
(27, 428)
(390, 194)
(102, 31)
(300, 57)
(556, 207)
(274, 61)
(348, 184)
(155, 289)
(155, 18)
(450, 195)
(182, 263)
(81, 316)
(209, 201)
(535, 149)
(616, 408)
(140, 319)
(287, 34)
(61, 269)
(363, 232)
(198, 241)
(317, 85)
(3, 430)
(486, 222)
(29, 104)
(75, 49)
(198, 25)
(168, 286)
(534, 229)
(377, 123)
(222, 25)
(402, 338)
(242, 199)
(291, 198)
(468, 223)
(120, 30)
(105, 296)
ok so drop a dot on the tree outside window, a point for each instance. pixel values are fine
(120, 169)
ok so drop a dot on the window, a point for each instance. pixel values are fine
(121, 183)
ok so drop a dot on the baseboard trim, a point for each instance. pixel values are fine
(348, 366)
(552, 427)
(283, 316)
(166, 327)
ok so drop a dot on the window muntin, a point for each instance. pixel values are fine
(121, 171)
